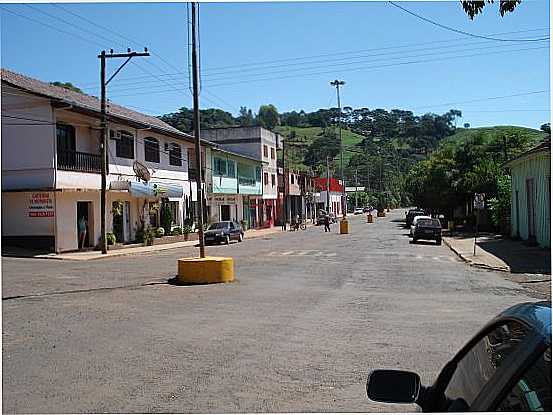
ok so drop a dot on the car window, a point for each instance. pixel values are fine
(479, 364)
(533, 390)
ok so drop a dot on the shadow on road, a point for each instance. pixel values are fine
(423, 242)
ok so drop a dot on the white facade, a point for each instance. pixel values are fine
(36, 170)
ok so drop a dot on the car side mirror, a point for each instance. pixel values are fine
(393, 386)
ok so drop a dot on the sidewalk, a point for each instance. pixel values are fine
(93, 255)
(501, 254)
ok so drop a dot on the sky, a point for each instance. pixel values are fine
(287, 53)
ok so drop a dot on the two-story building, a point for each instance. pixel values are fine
(260, 144)
(51, 167)
(234, 180)
(329, 197)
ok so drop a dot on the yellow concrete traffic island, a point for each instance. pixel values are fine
(344, 226)
(208, 270)
(369, 218)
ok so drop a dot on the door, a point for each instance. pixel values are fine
(530, 204)
(225, 212)
(83, 210)
(118, 228)
(65, 136)
(127, 221)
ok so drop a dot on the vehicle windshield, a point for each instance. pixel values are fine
(218, 225)
(431, 223)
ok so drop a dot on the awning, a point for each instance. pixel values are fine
(149, 190)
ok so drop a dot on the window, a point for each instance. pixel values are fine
(273, 180)
(533, 391)
(266, 178)
(231, 171)
(265, 151)
(475, 369)
(151, 150)
(258, 174)
(175, 155)
(220, 166)
(124, 145)
(292, 178)
(272, 152)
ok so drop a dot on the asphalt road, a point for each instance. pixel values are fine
(309, 315)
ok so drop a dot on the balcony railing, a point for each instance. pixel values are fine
(77, 161)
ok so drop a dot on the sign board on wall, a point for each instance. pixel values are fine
(221, 199)
(41, 205)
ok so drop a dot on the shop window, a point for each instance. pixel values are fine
(124, 145)
(151, 150)
(175, 155)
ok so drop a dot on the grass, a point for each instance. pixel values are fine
(464, 134)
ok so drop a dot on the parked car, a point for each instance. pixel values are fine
(223, 232)
(414, 223)
(506, 367)
(358, 211)
(411, 214)
(428, 228)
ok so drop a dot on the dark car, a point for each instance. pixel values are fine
(428, 229)
(411, 215)
(506, 367)
(223, 232)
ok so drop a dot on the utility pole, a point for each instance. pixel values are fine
(104, 125)
(284, 204)
(337, 84)
(327, 186)
(355, 188)
(199, 175)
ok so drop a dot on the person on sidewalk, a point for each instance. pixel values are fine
(327, 223)
(82, 232)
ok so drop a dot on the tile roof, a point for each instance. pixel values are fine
(85, 101)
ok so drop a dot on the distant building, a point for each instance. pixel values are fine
(260, 144)
(531, 195)
(329, 198)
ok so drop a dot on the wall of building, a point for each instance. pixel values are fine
(28, 151)
(15, 216)
(537, 167)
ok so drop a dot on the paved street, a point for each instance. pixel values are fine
(310, 314)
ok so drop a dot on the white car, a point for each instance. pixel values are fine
(415, 219)
(358, 211)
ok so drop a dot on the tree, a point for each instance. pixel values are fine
(466, 125)
(472, 8)
(268, 116)
(546, 128)
(67, 85)
(246, 118)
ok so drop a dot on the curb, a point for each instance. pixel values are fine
(475, 264)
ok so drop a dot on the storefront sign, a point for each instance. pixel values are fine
(222, 199)
(41, 205)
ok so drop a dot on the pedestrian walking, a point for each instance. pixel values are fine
(327, 223)
(82, 231)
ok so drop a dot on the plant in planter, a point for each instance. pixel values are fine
(186, 229)
(110, 238)
(159, 232)
(176, 231)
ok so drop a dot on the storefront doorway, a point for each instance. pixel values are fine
(225, 212)
(84, 211)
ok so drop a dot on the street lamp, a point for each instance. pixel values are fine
(336, 83)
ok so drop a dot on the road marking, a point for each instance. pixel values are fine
(309, 252)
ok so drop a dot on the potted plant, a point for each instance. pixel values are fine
(110, 238)
(186, 229)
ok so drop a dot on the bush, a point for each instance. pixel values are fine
(176, 231)
(166, 218)
(159, 232)
(110, 238)
(186, 229)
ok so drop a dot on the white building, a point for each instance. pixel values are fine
(51, 167)
(260, 144)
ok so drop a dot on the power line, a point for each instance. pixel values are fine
(486, 99)
(461, 31)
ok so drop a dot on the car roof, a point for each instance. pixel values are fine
(536, 315)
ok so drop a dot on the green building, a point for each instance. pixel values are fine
(531, 195)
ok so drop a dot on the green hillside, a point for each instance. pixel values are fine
(464, 134)
(308, 134)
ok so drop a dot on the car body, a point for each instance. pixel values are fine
(414, 222)
(429, 229)
(224, 232)
(411, 214)
(358, 211)
(506, 367)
